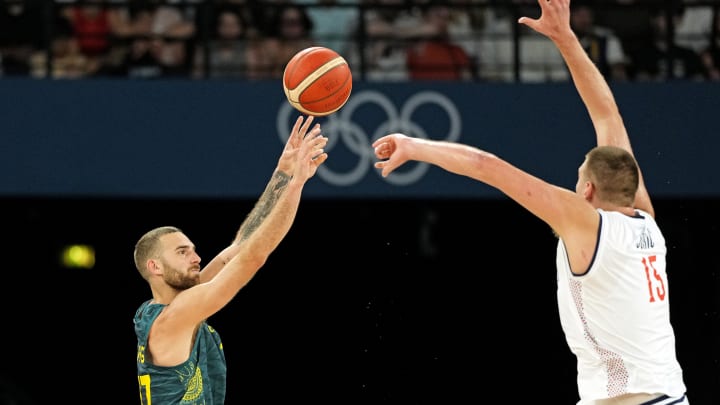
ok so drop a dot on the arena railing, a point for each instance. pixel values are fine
(45, 54)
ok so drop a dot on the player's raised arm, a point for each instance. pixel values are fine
(261, 233)
(167, 259)
(554, 23)
(283, 171)
(558, 207)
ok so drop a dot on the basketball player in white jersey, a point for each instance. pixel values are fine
(612, 285)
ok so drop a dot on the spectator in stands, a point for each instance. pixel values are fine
(141, 61)
(660, 58)
(601, 44)
(710, 56)
(465, 26)
(698, 24)
(20, 36)
(101, 29)
(495, 44)
(153, 34)
(435, 56)
(538, 61)
(263, 13)
(390, 25)
(334, 22)
(232, 47)
(151, 41)
(68, 61)
(206, 17)
(129, 55)
(291, 31)
(91, 25)
(628, 19)
(695, 26)
(173, 31)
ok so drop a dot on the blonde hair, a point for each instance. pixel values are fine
(615, 174)
(148, 245)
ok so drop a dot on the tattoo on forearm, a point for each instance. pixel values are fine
(275, 188)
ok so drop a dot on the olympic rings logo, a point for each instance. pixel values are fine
(341, 127)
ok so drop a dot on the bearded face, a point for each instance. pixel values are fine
(181, 279)
(177, 261)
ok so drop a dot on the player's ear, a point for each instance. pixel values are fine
(153, 267)
(588, 190)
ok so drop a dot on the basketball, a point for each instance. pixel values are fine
(317, 81)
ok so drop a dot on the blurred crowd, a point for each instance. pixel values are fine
(383, 40)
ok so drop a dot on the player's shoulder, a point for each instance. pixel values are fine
(149, 309)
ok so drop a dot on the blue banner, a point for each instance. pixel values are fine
(214, 139)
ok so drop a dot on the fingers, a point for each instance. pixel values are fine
(382, 151)
(389, 149)
(532, 22)
(385, 167)
(296, 126)
(314, 139)
(306, 125)
(528, 21)
(383, 148)
(314, 143)
(320, 159)
(300, 128)
(312, 154)
(381, 140)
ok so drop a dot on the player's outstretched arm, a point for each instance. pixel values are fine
(269, 230)
(281, 174)
(173, 331)
(552, 204)
(260, 234)
(554, 23)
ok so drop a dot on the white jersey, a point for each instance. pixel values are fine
(616, 316)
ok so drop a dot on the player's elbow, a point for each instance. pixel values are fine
(480, 165)
(254, 261)
(249, 258)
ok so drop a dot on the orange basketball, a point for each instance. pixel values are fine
(317, 81)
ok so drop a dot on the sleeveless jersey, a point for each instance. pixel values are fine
(616, 316)
(200, 380)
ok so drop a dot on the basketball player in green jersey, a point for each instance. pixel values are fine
(180, 358)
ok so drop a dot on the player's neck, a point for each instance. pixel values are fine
(629, 211)
(163, 296)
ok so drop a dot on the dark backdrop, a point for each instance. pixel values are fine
(422, 301)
